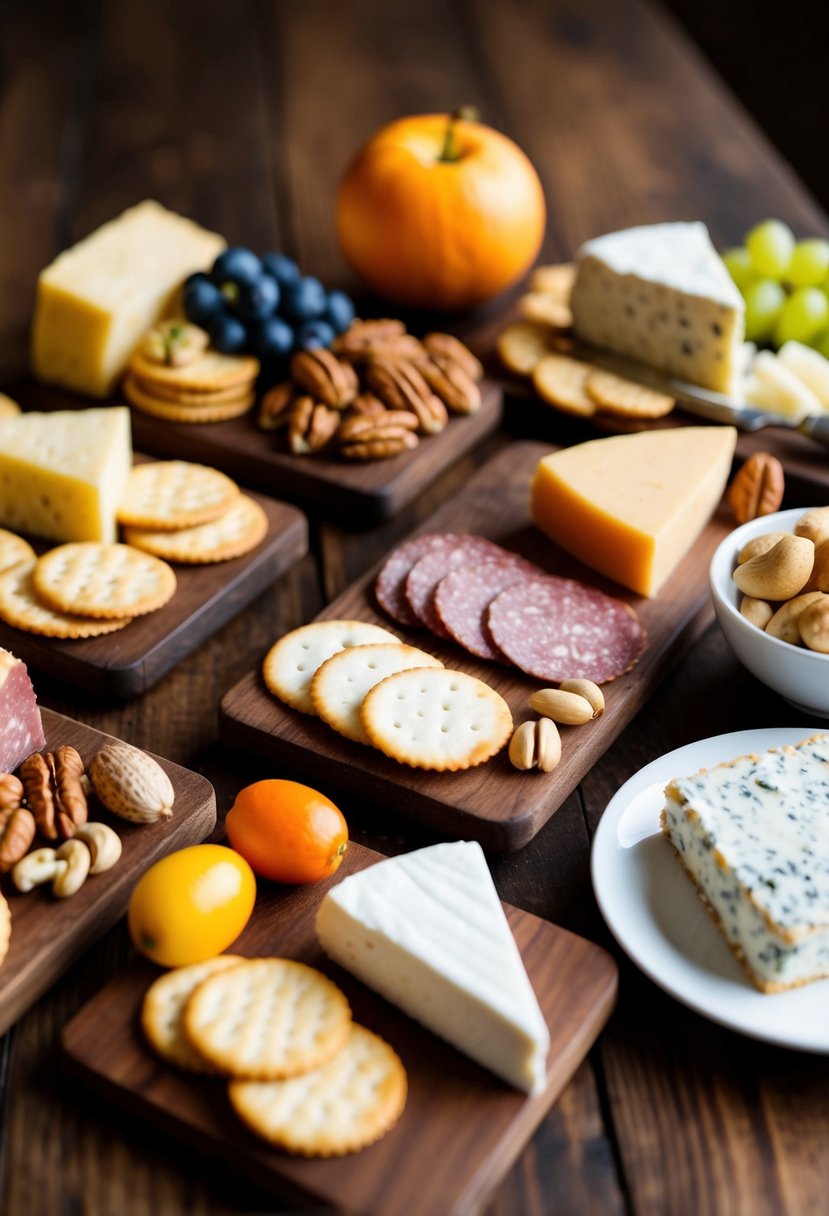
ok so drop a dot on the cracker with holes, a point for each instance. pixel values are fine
(556, 280)
(436, 719)
(267, 1019)
(546, 309)
(21, 607)
(342, 682)
(169, 494)
(106, 581)
(562, 382)
(339, 1108)
(290, 664)
(522, 345)
(242, 527)
(625, 398)
(14, 550)
(163, 1009)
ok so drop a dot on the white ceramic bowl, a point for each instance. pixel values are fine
(799, 675)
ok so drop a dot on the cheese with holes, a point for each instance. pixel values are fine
(631, 506)
(662, 294)
(62, 474)
(21, 730)
(753, 836)
(428, 932)
(97, 299)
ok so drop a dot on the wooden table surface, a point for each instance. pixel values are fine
(244, 115)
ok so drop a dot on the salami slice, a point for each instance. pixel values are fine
(425, 575)
(464, 595)
(390, 584)
(21, 730)
(558, 629)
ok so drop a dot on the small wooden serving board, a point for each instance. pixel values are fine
(493, 803)
(49, 934)
(365, 491)
(128, 662)
(462, 1128)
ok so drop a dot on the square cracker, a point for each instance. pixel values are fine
(436, 719)
(341, 683)
(291, 663)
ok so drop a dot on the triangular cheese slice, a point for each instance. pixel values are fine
(428, 932)
(62, 474)
(631, 506)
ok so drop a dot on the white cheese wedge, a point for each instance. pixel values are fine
(662, 294)
(97, 299)
(428, 932)
(753, 835)
(63, 474)
(773, 386)
(809, 366)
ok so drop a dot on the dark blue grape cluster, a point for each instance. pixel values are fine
(264, 306)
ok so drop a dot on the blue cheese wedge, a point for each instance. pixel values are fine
(428, 932)
(661, 294)
(753, 836)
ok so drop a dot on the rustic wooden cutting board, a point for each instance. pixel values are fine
(494, 803)
(48, 934)
(461, 1129)
(127, 663)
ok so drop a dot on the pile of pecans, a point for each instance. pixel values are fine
(374, 392)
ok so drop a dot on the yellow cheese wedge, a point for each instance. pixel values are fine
(97, 299)
(632, 505)
(62, 474)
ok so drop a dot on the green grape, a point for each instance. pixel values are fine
(770, 246)
(805, 313)
(809, 264)
(821, 343)
(738, 264)
(764, 300)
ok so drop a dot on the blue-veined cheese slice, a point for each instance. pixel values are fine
(428, 932)
(662, 294)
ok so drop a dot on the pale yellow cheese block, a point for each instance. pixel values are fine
(97, 299)
(62, 474)
(631, 506)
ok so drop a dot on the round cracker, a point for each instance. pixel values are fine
(169, 411)
(267, 1018)
(522, 345)
(242, 527)
(555, 280)
(212, 371)
(14, 550)
(163, 1010)
(8, 407)
(546, 309)
(291, 663)
(5, 927)
(341, 682)
(21, 607)
(339, 1108)
(562, 382)
(97, 580)
(436, 719)
(174, 395)
(625, 398)
(167, 495)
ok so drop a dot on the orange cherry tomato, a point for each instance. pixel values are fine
(287, 831)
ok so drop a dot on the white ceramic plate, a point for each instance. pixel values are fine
(656, 916)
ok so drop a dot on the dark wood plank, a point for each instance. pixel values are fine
(493, 803)
(48, 936)
(479, 1124)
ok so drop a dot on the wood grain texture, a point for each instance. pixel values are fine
(493, 803)
(48, 935)
(468, 1125)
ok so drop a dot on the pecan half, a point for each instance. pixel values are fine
(401, 386)
(71, 809)
(757, 488)
(17, 831)
(366, 405)
(446, 346)
(275, 406)
(325, 377)
(37, 784)
(381, 448)
(451, 383)
(362, 334)
(361, 425)
(11, 792)
(311, 425)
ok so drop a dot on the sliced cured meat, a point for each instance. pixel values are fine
(21, 730)
(425, 575)
(558, 629)
(463, 596)
(390, 584)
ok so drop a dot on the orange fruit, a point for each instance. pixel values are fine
(287, 831)
(191, 905)
(439, 212)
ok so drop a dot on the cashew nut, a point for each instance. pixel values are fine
(814, 524)
(814, 625)
(78, 859)
(760, 544)
(591, 692)
(819, 578)
(103, 843)
(785, 624)
(780, 573)
(759, 612)
(43, 865)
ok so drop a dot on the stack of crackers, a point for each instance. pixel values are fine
(174, 376)
(374, 689)
(538, 347)
(300, 1073)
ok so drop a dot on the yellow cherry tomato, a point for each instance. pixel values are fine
(191, 905)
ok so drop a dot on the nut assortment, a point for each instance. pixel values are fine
(537, 744)
(374, 393)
